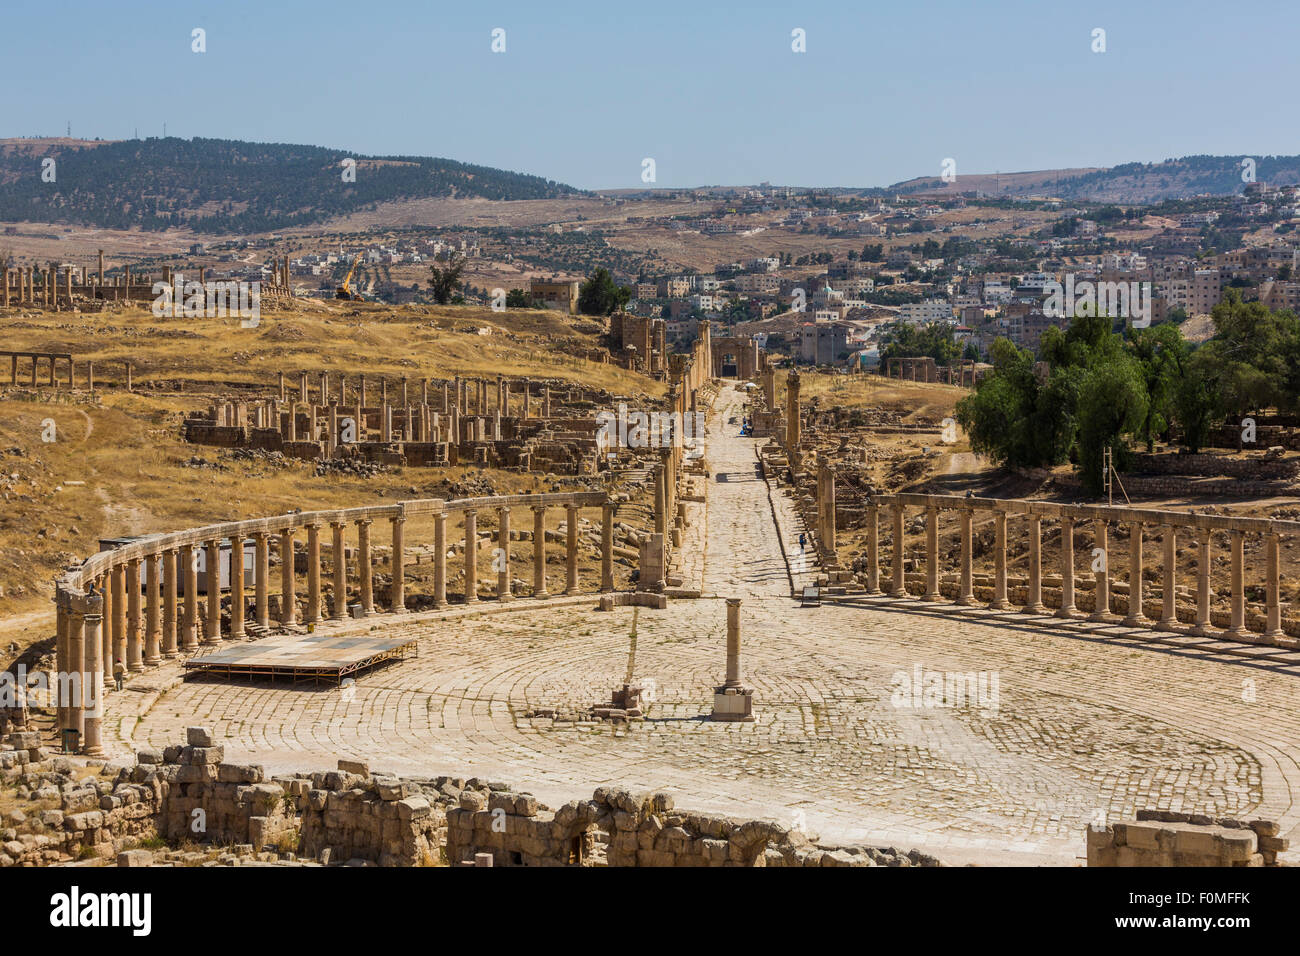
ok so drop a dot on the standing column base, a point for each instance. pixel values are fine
(1036, 608)
(1068, 613)
(1200, 629)
(1166, 624)
(733, 703)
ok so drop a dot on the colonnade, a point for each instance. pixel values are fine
(1173, 528)
(140, 603)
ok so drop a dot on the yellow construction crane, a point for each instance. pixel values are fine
(345, 290)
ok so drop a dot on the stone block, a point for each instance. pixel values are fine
(198, 736)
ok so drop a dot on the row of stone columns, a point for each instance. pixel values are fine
(24, 290)
(52, 359)
(141, 634)
(1135, 616)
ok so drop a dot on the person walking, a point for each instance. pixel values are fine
(119, 674)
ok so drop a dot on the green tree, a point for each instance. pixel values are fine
(600, 295)
(1112, 404)
(445, 281)
(520, 299)
(1160, 352)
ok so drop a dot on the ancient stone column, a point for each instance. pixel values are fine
(1067, 608)
(733, 700)
(262, 578)
(571, 551)
(607, 547)
(153, 623)
(169, 626)
(340, 572)
(1135, 616)
(965, 586)
(733, 642)
(931, 554)
(471, 556)
(440, 559)
(539, 551)
(190, 567)
(236, 589)
(826, 508)
(1101, 610)
(1202, 625)
(92, 679)
(999, 601)
(871, 516)
(288, 600)
(118, 622)
(61, 660)
(503, 554)
(363, 567)
(75, 714)
(134, 657)
(312, 613)
(792, 437)
(1237, 622)
(661, 499)
(898, 585)
(1168, 609)
(1035, 603)
(212, 575)
(1273, 605)
(398, 592)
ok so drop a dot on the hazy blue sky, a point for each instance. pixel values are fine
(714, 94)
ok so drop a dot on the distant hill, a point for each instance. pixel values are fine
(228, 186)
(1132, 182)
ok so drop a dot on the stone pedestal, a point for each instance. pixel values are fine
(733, 700)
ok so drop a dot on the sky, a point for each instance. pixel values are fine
(715, 94)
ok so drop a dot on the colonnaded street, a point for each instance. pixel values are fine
(1075, 727)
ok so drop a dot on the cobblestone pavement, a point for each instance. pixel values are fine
(1084, 726)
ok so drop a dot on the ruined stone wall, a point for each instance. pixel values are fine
(189, 796)
(1165, 838)
(1253, 467)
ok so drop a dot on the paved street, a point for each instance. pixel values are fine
(1076, 728)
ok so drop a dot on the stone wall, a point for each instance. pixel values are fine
(188, 796)
(1254, 466)
(1165, 838)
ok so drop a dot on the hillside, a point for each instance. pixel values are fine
(119, 466)
(228, 186)
(1131, 182)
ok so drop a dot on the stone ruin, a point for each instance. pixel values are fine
(186, 806)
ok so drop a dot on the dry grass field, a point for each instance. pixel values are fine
(118, 465)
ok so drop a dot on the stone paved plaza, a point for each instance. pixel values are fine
(1086, 726)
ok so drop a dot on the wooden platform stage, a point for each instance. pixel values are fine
(319, 658)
